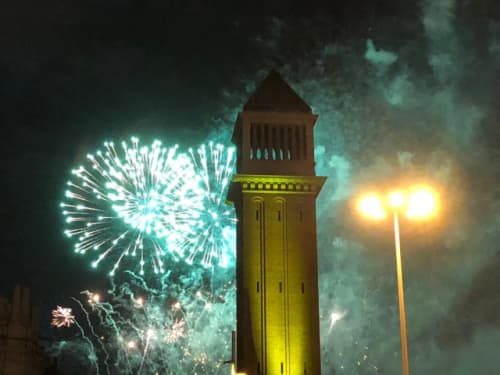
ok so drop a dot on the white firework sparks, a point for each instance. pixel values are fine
(157, 334)
(212, 235)
(62, 317)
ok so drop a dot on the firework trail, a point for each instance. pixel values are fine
(138, 329)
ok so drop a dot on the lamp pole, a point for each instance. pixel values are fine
(420, 203)
(401, 298)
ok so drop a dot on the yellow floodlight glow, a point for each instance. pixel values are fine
(422, 204)
(396, 199)
(371, 206)
(233, 370)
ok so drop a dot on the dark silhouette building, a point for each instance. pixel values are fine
(274, 193)
(20, 353)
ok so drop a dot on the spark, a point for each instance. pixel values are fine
(131, 344)
(162, 335)
(93, 299)
(176, 306)
(62, 317)
(335, 316)
(139, 301)
(176, 331)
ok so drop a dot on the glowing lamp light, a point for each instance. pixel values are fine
(396, 199)
(422, 204)
(233, 371)
(371, 206)
(419, 203)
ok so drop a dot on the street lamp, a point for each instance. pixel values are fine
(416, 203)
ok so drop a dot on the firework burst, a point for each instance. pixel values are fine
(152, 206)
(212, 235)
(125, 202)
(62, 317)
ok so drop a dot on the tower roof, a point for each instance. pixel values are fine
(274, 95)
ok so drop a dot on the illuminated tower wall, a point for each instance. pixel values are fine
(274, 193)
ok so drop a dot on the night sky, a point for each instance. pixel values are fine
(403, 89)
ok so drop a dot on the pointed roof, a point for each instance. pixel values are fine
(275, 95)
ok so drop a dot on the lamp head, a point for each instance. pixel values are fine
(371, 206)
(396, 200)
(422, 203)
(418, 203)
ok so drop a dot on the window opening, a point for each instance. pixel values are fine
(282, 143)
(274, 143)
(298, 151)
(304, 142)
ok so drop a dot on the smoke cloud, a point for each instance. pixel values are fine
(407, 111)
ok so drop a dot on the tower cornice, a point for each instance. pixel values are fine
(276, 183)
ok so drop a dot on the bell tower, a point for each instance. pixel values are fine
(274, 193)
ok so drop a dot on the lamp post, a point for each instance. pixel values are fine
(417, 203)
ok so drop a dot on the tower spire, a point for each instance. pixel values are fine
(275, 95)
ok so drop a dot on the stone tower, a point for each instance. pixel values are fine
(274, 193)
